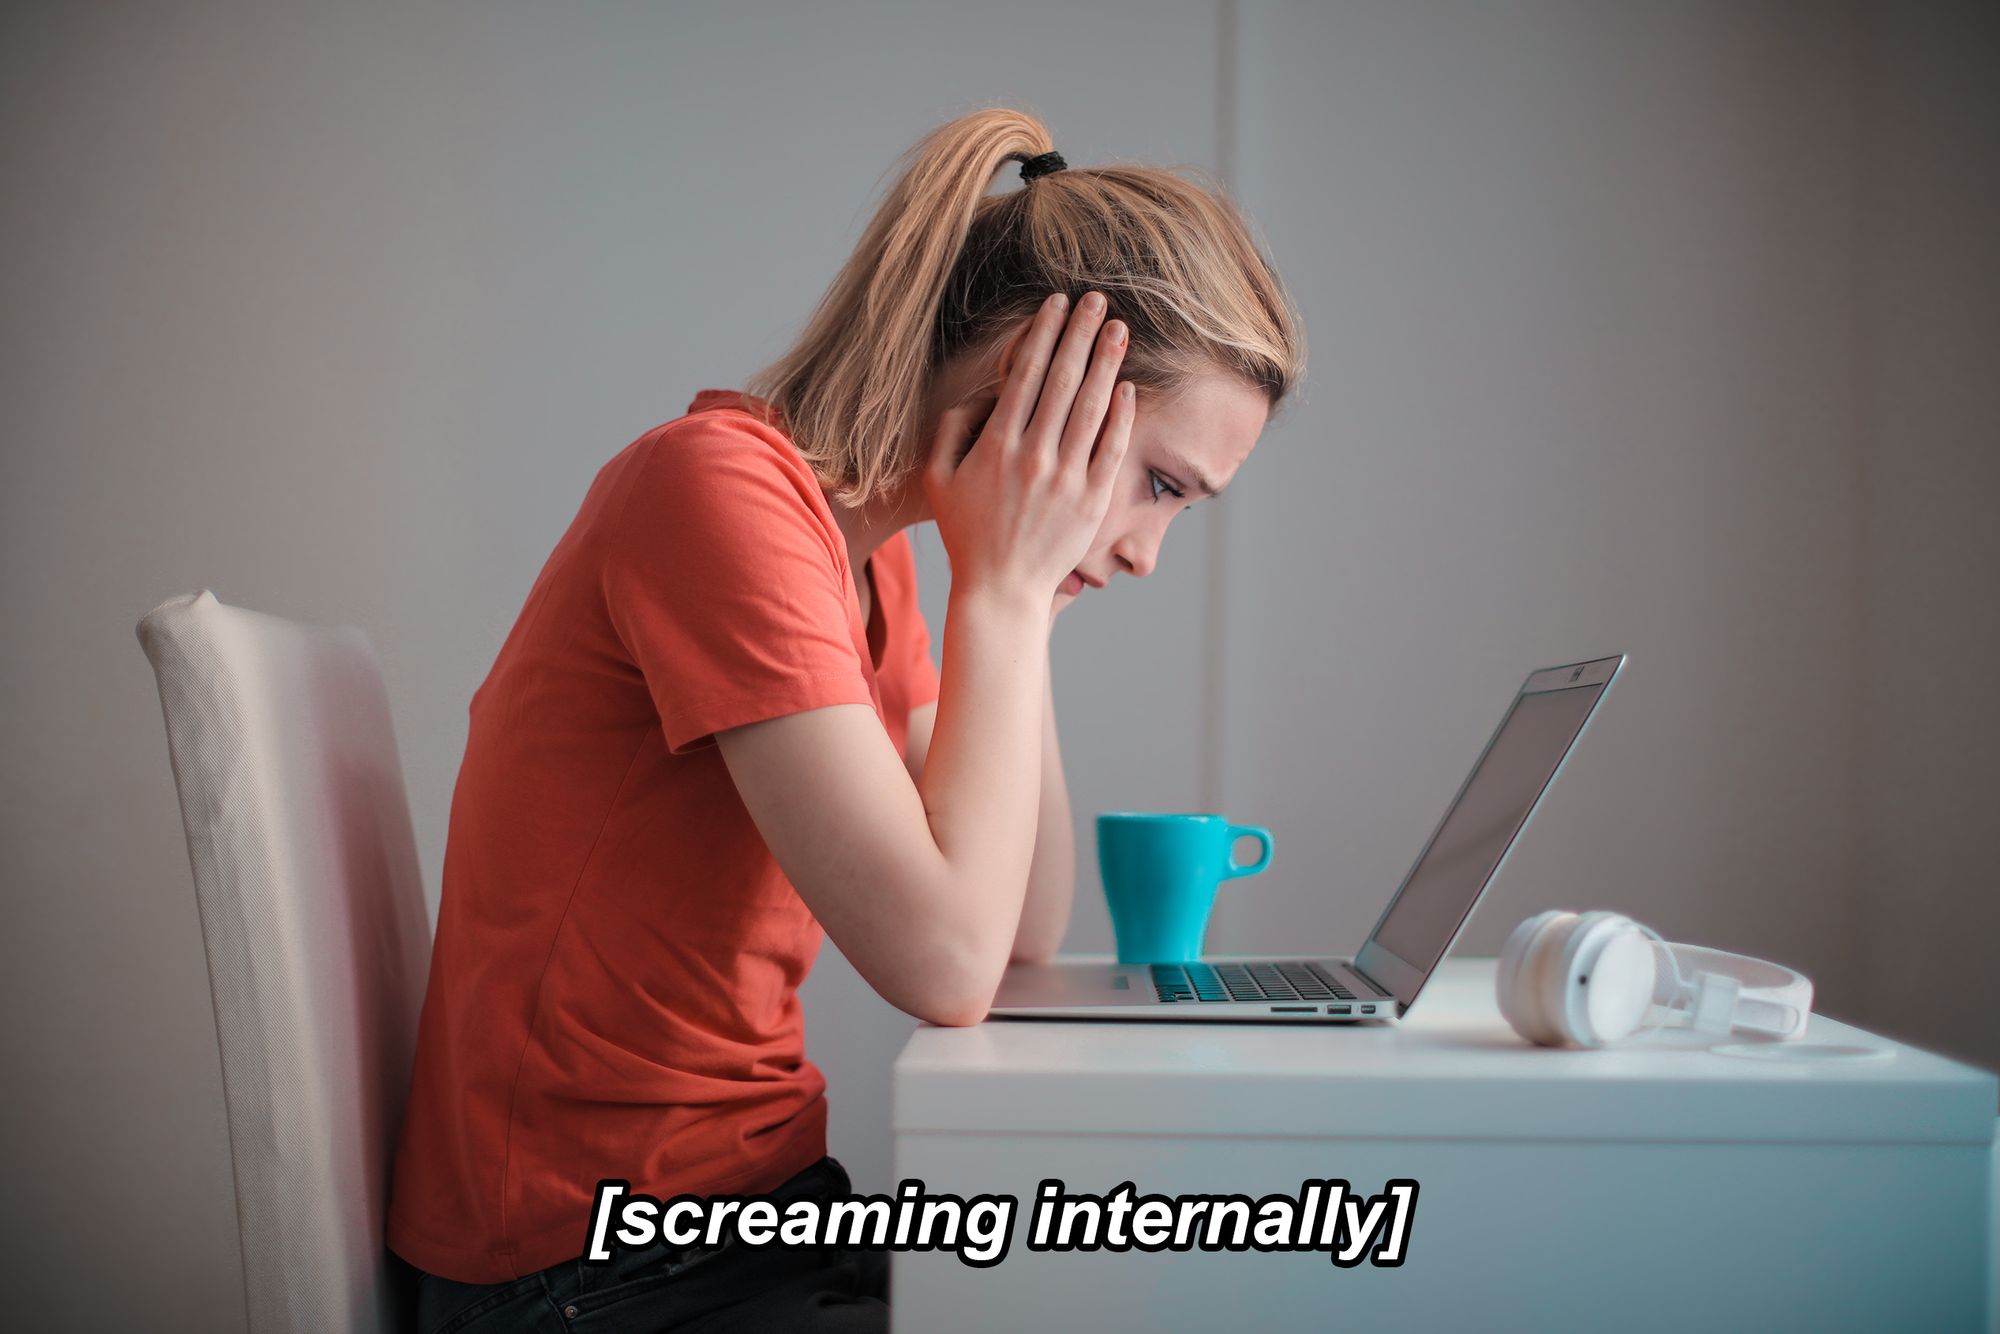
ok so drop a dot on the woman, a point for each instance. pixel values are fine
(715, 728)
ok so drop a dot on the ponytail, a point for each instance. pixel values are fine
(944, 270)
(851, 391)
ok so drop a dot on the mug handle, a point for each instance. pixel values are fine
(1263, 836)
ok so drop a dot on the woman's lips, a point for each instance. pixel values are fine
(1074, 584)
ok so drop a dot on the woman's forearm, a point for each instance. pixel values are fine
(1052, 874)
(981, 781)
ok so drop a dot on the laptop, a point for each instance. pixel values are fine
(1378, 983)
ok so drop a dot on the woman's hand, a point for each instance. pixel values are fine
(1019, 511)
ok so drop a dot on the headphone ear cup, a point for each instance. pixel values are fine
(1535, 1019)
(1615, 984)
(1547, 970)
(1507, 981)
(1570, 978)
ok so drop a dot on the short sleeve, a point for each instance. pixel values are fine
(726, 582)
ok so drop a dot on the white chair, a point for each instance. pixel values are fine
(318, 941)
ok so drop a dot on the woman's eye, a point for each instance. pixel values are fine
(1157, 484)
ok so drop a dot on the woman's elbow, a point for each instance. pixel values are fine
(956, 1007)
(953, 994)
(964, 1015)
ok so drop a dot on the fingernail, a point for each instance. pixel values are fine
(1094, 302)
(1117, 333)
(1059, 301)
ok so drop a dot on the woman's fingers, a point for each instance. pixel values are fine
(1086, 414)
(1024, 382)
(1065, 375)
(1112, 443)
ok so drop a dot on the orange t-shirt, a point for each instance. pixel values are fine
(613, 990)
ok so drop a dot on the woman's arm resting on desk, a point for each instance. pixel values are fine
(1052, 874)
(920, 883)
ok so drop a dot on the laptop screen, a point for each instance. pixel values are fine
(1494, 804)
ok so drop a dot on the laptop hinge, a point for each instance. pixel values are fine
(1379, 988)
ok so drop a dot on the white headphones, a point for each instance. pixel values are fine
(1589, 979)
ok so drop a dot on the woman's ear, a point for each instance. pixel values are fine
(986, 391)
(1010, 347)
(998, 364)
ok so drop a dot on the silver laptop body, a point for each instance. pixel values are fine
(1379, 983)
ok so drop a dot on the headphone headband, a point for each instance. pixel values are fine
(1765, 997)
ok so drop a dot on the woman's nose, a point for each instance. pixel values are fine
(1138, 552)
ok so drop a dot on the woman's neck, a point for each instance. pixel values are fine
(869, 526)
(866, 528)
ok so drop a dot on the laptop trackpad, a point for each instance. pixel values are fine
(1074, 984)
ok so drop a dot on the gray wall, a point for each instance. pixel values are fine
(1665, 329)
(1927, 864)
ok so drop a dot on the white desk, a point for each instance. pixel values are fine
(1655, 1187)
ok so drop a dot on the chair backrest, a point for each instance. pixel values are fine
(318, 941)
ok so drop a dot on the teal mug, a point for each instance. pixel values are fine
(1160, 873)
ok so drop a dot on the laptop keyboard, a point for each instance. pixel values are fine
(1246, 982)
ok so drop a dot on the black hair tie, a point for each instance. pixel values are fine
(1037, 167)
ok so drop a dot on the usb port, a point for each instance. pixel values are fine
(1339, 1009)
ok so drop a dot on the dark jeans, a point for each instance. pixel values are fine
(662, 1287)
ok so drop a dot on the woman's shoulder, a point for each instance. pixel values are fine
(724, 422)
(734, 406)
(718, 485)
(726, 444)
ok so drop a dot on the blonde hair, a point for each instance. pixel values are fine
(944, 268)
